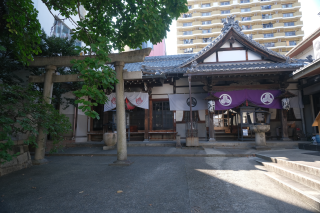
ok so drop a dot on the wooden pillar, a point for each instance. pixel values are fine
(284, 125)
(146, 125)
(47, 96)
(190, 104)
(211, 127)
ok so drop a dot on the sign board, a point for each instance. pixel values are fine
(245, 132)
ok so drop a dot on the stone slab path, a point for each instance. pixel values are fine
(151, 184)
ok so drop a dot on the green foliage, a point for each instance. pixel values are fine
(114, 24)
(107, 24)
(22, 111)
(20, 28)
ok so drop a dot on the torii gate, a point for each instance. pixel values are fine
(51, 64)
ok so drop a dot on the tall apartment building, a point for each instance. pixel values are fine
(275, 24)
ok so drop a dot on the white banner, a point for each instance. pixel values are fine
(136, 98)
(181, 102)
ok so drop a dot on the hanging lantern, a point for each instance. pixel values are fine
(285, 99)
(129, 106)
(285, 103)
(211, 103)
(211, 106)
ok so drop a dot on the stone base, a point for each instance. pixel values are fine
(121, 163)
(261, 148)
(212, 140)
(146, 140)
(285, 139)
(40, 162)
(192, 141)
(108, 147)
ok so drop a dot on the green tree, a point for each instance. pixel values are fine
(107, 25)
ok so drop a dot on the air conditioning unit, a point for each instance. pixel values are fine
(316, 48)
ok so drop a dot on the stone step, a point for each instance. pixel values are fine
(291, 164)
(304, 178)
(308, 195)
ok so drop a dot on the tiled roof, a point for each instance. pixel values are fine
(305, 67)
(242, 66)
(177, 63)
(158, 62)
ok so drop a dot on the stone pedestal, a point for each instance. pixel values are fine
(260, 136)
(178, 141)
(110, 139)
(192, 141)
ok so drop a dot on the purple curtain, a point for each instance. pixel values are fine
(261, 98)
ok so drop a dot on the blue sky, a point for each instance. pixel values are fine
(311, 22)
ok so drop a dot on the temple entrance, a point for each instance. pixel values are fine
(225, 124)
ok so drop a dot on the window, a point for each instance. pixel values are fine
(249, 35)
(186, 116)
(268, 35)
(137, 118)
(286, 5)
(62, 31)
(246, 18)
(162, 117)
(270, 25)
(188, 50)
(225, 11)
(291, 33)
(189, 7)
(187, 15)
(206, 22)
(266, 7)
(266, 16)
(188, 41)
(187, 24)
(245, 10)
(292, 43)
(288, 15)
(206, 31)
(287, 24)
(205, 5)
(244, 1)
(270, 44)
(225, 3)
(206, 14)
(207, 40)
(187, 32)
(223, 20)
(246, 27)
(265, 0)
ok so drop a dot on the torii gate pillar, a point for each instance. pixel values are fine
(47, 95)
(121, 119)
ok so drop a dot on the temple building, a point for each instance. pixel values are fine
(241, 76)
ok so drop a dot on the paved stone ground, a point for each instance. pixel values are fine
(151, 184)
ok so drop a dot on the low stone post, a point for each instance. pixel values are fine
(42, 137)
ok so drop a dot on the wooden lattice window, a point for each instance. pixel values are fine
(162, 117)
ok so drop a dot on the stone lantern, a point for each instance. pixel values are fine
(211, 108)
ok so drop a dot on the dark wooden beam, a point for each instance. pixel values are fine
(240, 87)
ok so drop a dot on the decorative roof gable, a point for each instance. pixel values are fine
(232, 31)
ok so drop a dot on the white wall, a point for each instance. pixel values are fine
(305, 53)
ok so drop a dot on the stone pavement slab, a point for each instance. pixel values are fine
(152, 184)
(159, 152)
(304, 157)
